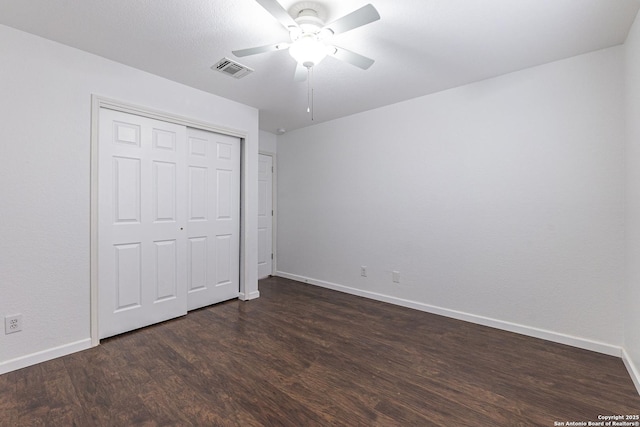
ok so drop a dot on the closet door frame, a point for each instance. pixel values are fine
(98, 102)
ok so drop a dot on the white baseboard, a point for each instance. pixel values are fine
(43, 356)
(634, 372)
(557, 337)
(249, 296)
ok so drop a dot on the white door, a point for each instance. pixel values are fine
(213, 218)
(265, 216)
(141, 220)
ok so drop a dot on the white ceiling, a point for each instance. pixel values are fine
(420, 46)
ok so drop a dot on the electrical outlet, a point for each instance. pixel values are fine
(363, 271)
(395, 275)
(12, 324)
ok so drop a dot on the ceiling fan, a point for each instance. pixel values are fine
(310, 36)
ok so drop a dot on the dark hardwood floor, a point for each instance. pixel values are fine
(306, 356)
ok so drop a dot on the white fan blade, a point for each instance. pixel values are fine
(363, 16)
(278, 12)
(351, 57)
(301, 73)
(260, 49)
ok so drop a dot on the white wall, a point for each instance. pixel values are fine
(500, 202)
(45, 109)
(631, 297)
(268, 142)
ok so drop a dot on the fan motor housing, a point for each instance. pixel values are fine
(309, 12)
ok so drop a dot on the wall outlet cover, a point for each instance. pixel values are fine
(12, 324)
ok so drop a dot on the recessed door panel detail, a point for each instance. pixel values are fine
(128, 279)
(197, 263)
(197, 193)
(166, 270)
(262, 166)
(262, 245)
(164, 189)
(126, 133)
(262, 198)
(224, 151)
(198, 147)
(223, 259)
(164, 140)
(126, 188)
(224, 194)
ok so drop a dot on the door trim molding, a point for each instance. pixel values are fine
(98, 102)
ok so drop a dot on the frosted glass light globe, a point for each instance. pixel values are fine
(307, 50)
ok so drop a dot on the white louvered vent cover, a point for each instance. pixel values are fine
(231, 68)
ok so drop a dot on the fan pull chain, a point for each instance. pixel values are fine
(311, 103)
(311, 72)
(310, 91)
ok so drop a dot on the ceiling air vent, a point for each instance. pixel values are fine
(231, 68)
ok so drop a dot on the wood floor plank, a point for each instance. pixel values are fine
(306, 356)
(8, 403)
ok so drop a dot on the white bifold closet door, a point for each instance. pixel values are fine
(150, 196)
(213, 245)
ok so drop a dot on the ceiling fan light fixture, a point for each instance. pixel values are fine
(308, 50)
(311, 37)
